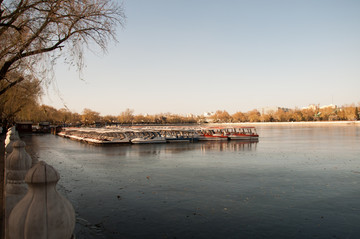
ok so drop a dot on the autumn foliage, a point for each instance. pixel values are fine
(40, 113)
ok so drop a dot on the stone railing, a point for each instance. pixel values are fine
(33, 206)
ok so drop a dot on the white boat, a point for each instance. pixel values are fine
(148, 137)
(151, 136)
(110, 137)
(95, 137)
(179, 135)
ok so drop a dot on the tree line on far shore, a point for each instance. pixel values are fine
(20, 103)
(43, 113)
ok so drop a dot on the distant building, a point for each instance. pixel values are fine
(311, 107)
(24, 127)
(267, 110)
(207, 116)
(328, 106)
(44, 127)
(316, 107)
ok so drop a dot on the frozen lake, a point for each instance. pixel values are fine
(296, 182)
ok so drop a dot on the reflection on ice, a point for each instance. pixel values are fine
(203, 147)
(170, 149)
(230, 146)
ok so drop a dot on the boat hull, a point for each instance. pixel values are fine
(181, 140)
(114, 141)
(213, 138)
(148, 141)
(239, 137)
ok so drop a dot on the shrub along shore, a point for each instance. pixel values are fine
(301, 123)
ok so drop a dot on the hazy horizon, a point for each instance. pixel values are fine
(194, 57)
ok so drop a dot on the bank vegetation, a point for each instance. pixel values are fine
(34, 112)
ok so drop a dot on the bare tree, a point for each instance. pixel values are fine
(127, 116)
(239, 117)
(253, 116)
(89, 117)
(221, 116)
(33, 31)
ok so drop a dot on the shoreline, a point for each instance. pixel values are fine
(301, 123)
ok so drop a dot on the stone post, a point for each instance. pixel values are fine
(43, 213)
(17, 163)
(13, 137)
(9, 146)
(11, 131)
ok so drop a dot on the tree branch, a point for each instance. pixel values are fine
(32, 27)
(3, 90)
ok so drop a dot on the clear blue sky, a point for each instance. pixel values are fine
(192, 56)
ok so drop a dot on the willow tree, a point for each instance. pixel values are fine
(126, 117)
(33, 33)
(20, 99)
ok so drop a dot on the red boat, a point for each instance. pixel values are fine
(241, 133)
(211, 134)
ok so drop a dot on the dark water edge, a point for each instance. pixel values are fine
(296, 182)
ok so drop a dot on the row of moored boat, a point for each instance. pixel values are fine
(159, 135)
